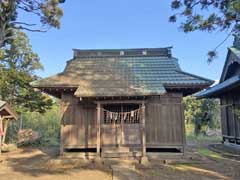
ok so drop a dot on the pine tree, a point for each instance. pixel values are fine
(18, 64)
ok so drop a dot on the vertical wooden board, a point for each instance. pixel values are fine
(148, 120)
(132, 134)
(153, 127)
(67, 134)
(165, 130)
(156, 123)
(82, 126)
(92, 126)
(75, 135)
(237, 128)
(230, 119)
(224, 120)
(178, 132)
(75, 123)
(108, 135)
(86, 128)
(165, 121)
(237, 114)
(173, 125)
(79, 132)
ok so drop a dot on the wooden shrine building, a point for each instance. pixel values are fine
(6, 114)
(228, 90)
(122, 101)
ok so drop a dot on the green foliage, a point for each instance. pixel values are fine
(207, 15)
(47, 124)
(48, 11)
(206, 152)
(17, 66)
(201, 138)
(202, 113)
(12, 132)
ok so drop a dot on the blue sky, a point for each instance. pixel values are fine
(125, 24)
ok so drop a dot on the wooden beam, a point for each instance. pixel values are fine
(120, 102)
(5, 130)
(63, 108)
(7, 117)
(0, 136)
(98, 128)
(143, 130)
(183, 126)
(234, 122)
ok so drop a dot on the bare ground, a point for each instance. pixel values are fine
(43, 164)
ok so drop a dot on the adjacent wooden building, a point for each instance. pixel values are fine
(6, 114)
(122, 101)
(228, 90)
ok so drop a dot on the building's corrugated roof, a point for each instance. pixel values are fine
(216, 90)
(122, 76)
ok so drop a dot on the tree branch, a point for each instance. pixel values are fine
(220, 44)
(23, 23)
(32, 30)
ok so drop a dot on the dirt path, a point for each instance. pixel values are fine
(44, 164)
(121, 172)
(198, 163)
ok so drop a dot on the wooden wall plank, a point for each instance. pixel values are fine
(78, 123)
(164, 123)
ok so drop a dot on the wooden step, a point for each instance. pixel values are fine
(88, 155)
(120, 154)
(115, 150)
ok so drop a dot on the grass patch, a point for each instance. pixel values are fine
(206, 152)
(190, 136)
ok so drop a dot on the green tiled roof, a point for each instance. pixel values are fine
(218, 89)
(122, 76)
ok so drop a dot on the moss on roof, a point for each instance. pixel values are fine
(121, 76)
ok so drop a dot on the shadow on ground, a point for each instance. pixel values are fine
(44, 163)
(31, 163)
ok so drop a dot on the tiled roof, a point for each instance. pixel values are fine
(122, 76)
(216, 90)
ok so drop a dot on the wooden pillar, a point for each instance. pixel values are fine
(98, 128)
(183, 126)
(143, 131)
(62, 135)
(0, 136)
(234, 122)
(5, 130)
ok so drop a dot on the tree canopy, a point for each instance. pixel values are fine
(203, 112)
(48, 11)
(207, 15)
(18, 64)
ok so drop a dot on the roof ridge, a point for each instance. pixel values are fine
(129, 49)
(122, 52)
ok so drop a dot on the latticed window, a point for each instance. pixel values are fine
(121, 113)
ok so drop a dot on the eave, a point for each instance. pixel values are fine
(217, 90)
